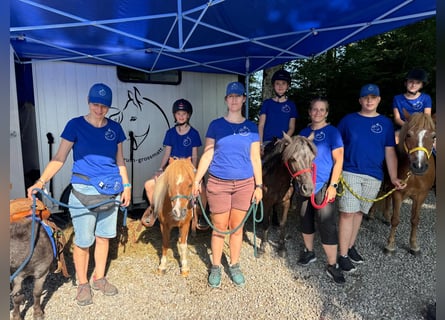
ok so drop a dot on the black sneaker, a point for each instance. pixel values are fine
(336, 274)
(306, 257)
(346, 264)
(354, 255)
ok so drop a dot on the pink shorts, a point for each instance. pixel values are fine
(223, 195)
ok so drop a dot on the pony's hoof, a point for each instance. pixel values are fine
(389, 251)
(161, 272)
(185, 273)
(415, 252)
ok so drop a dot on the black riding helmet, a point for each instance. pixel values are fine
(182, 105)
(281, 75)
(417, 74)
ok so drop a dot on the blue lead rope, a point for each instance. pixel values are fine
(34, 219)
(253, 208)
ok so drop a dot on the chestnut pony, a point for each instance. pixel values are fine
(416, 162)
(288, 162)
(173, 205)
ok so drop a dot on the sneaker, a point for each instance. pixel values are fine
(354, 255)
(306, 257)
(215, 277)
(236, 275)
(84, 295)
(336, 274)
(103, 285)
(346, 264)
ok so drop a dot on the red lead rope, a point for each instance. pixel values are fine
(325, 200)
(314, 175)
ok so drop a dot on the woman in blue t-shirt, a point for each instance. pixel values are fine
(96, 142)
(328, 164)
(232, 158)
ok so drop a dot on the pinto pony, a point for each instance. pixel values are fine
(415, 161)
(289, 161)
(173, 205)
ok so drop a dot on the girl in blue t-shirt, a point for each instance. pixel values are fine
(181, 141)
(277, 114)
(413, 100)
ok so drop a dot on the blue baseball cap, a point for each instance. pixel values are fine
(100, 93)
(368, 89)
(235, 88)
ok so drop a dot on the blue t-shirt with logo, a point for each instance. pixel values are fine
(419, 104)
(94, 149)
(326, 139)
(231, 158)
(278, 115)
(182, 145)
(365, 140)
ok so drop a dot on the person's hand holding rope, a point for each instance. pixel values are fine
(399, 184)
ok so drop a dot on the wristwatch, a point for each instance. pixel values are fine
(335, 185)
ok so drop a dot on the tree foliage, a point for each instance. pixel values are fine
(339, 73)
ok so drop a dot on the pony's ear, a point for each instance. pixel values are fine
(170, 160)
(286, 138)
(311, 136)
(189, 158)
(406, 114)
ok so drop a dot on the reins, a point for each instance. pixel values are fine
(253, 208)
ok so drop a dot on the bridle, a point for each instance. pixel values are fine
(313, 170)
(299, 172)
(409, 151)
(181, 196)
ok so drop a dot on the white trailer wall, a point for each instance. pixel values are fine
(16, 178)
(61, 90)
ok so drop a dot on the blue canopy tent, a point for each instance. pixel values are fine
(220, 36)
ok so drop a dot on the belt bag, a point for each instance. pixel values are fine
(92, 201)
(110, 184)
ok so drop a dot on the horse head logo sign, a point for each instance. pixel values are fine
(146, 123)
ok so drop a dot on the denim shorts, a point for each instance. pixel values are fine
(87, 224)
(223, 195)
(363, 185)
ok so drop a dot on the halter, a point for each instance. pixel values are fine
(409, 151)
(300, 172)
(181, 196)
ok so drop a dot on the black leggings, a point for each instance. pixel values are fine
(326, 218)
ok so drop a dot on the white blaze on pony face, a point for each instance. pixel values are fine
(178, 210)
(421, 137)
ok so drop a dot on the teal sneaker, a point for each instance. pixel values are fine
(236, 275)
(215, 277)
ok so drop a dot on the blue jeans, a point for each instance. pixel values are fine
(87, 224)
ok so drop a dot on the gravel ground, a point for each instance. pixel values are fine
(384, 287)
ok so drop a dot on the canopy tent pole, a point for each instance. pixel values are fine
(246, 85)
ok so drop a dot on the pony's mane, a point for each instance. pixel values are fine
(273, 155)
(176, 168)
(418, 120)
(299, 144)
